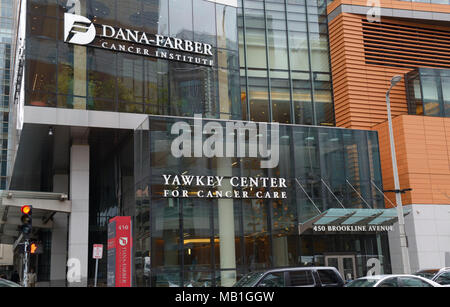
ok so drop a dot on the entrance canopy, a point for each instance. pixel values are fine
(353, 217)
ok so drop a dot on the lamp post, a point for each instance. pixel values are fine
(398, 192)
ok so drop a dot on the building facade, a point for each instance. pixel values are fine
(238, 135)
(408, 39)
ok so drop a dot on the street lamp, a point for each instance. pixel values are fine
(397, 191)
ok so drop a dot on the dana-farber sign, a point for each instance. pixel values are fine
(80, 30)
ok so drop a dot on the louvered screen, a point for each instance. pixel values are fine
(407, 46)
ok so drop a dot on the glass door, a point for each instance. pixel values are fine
(345, 264)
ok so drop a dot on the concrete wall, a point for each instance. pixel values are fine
(6, 254)
(428, 232)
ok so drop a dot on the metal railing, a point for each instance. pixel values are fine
(34, 195)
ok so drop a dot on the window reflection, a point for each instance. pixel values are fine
(156, 90)
(101, 11)
(165, 234)
(428, 92)
(197, 235)
(102, 81)
(180, 15)
(256, 236)
(41, 67)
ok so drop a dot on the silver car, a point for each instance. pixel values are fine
(441, 276)
(392, 281)
(6, 283)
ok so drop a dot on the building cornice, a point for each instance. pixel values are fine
(388, 12)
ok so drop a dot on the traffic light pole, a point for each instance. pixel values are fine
(25, 263)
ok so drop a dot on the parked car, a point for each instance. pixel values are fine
(6, 283)
(441, 276)
(293, 277)
(382, 281)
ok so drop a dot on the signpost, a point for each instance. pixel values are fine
(119, 251)
(97, 253)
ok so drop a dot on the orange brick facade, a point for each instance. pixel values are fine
(423, 151)
(360, 88)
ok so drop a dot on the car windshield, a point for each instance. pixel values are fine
(427, 274)
(363, 282)
(7, 283)
(248, 280)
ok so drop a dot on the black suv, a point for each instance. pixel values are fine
(293, 277)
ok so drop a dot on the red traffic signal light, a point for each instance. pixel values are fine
(26, 209)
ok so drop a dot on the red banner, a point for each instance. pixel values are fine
(119, 252)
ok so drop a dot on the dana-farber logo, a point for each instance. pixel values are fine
(78, 29)
(227, 140)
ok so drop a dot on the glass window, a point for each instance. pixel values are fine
(130, 78)
(276, 36)
(129, 12)
(302, 98)
(281, 97)
(226, 27)
(328, 277)
(43, 7)
(301, 278)
(101, 11)
(41, 65)
(205, 22)
(41, 99)
(166, 253)
(443, 279)
(413, 282)
(192, 89)
(258, 95)
(65, 70)
(430, 92)
(390, 282)
(42, 27)
(156, 87)
(319, 52)
(197, 235)
(363, 282)
(446, 95)
(323, 101)
(257, 245)
(180, 16)
(256, 51)
(272, 280)
(102, 79)
(155, 16)
(298, 48)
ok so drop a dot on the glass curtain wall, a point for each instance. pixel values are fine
(180, 240)
(78, 77)
(6, 33)
(284, 58)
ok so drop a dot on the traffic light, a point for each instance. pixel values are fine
(33, 248)
(26, 220)
(36, 248)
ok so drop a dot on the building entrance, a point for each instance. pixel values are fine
(345, 264)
